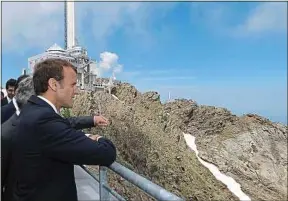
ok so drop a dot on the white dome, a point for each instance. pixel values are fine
(55, 47)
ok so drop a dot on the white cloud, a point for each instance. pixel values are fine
(268, 17)
(223, 18)
(40, 24)
(31, 24)
(108, 62)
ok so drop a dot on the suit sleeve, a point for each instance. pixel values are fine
(79, 123)
(4, 114)
(6, 137)
(4, 101)
(61, 142)
(7, 111)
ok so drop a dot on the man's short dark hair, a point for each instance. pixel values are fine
(11, 83)
(49, 68)
(20, 78)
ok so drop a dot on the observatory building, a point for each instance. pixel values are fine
(76, 55)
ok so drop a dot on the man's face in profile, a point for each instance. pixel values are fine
(67, 88)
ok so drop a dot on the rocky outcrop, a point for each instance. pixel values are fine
(149, 139)
(251, 149)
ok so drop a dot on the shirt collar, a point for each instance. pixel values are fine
(47, 101)
(16, 106)
(9, 99)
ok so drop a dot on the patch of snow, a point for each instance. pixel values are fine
(231, 184)
(115, 97)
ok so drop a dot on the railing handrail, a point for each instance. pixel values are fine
(144, 184)
(141, 182)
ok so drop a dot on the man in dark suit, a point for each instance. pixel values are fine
(24, 91)
(9, 109)
(10, 89)
(46, 147)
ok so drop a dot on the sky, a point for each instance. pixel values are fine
(223, 54)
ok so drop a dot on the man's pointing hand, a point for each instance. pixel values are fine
(100, 121)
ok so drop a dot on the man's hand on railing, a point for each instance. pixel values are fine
(100, 121)
(95, 137)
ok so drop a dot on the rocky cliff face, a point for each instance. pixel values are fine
(251, 149)
(149, 139)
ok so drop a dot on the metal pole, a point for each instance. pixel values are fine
(104, 194)
(114, 193)
(65, 25)
(144, 184)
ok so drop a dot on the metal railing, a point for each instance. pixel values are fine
(142, 183)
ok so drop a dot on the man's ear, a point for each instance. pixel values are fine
(52, 84)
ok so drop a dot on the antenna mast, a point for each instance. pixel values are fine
(65, 25)
(69, 24)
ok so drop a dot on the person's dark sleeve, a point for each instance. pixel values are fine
(7, 111)
(81, 122)
(60, 141)
(4, 102)
(4, 114)
(8, 130)
(5, 142)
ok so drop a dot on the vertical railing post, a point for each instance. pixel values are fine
(104, 195)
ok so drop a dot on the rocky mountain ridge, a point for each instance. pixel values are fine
(149, 140)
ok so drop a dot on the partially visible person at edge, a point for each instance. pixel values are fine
(10, 89)
(9, 109)
(46, 146)
(2, 95)
(24, 91)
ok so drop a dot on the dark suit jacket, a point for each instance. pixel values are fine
(45, 148)
(4, 101)
(7, 111)
(9, 130)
